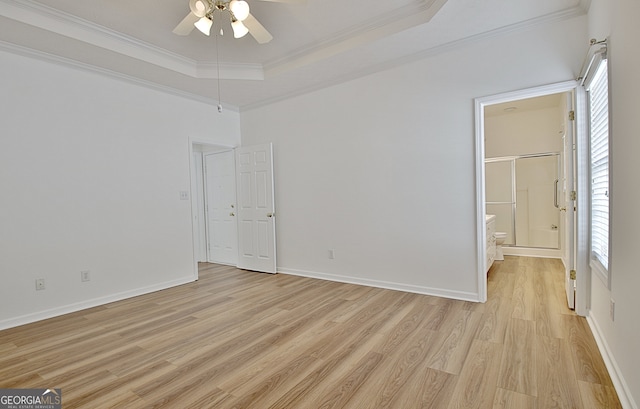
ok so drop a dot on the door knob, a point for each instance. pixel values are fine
(270, 214)
(232, 214)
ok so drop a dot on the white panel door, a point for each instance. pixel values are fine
(220, 195)
(256, 212)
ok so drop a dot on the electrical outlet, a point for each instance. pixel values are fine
(612, 309)
(40, 284)
(184, 195)
(332, 254)
(85, 276)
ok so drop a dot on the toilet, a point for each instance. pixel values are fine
(500, 238)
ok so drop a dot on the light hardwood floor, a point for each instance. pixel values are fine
(238, 339)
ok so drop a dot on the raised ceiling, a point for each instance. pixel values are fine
(315, 44)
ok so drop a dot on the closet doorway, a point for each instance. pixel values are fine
(213, 187)
(233, 206)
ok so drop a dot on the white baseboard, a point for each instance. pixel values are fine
(624, 394)
(456, 295)
(531, 252)
(95, 302)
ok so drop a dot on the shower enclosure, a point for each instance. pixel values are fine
(522, 191)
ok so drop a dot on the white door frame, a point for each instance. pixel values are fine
(212, 147)
(480, 104)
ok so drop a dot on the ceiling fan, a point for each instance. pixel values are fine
(242, 22)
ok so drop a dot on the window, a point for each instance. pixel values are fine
(598, 103)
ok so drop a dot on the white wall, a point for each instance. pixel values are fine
(90, 173)
(382, 168)
(523, 133)
(620, 338)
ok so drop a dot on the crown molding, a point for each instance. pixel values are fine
(562, 15)
(67, 62)
(234, 71)
(53, 20)
(389, 23)
(50, 19)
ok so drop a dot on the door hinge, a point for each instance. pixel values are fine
(572, 115)
(573, 195)
(572, 274)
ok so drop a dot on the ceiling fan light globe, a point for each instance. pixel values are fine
(240, 9)
(204, 25)
(198, 7)
(239, 29)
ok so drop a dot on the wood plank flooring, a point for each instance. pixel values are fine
(238, 339)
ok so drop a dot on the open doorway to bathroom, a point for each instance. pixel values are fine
(525, 175)
(524, 145)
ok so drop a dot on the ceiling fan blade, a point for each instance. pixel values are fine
(288, 1)
(186, 25)
(257, 30)
(198, 7)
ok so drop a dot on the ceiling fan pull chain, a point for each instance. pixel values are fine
(218, 68)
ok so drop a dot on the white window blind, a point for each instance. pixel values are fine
(598, 92)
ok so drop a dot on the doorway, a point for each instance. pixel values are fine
(518, 140)
(240, 234)
(203, 230)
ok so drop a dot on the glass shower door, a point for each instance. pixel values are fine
(522, 192)
(537, 217)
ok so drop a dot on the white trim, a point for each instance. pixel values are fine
(56, 21)
(583, 218)
(96, 302)
(421, 55)
(384, 25)
(481, 205)
(532, 252)
(622, 389)
(32, 13)
(48, 18)
(67, 62)
(203, 141)
(388, 285)
(480, 104)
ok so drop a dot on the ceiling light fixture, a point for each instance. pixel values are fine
(205, 9)
(239, 29)
(204, 25)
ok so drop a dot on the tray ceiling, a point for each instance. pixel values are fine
(314, 45)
